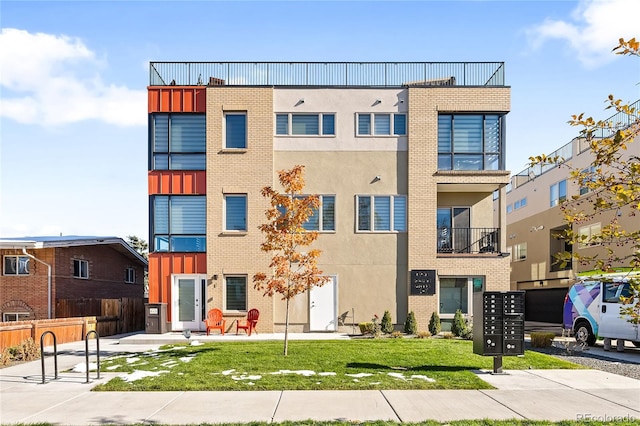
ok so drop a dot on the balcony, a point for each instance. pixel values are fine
(468, 240)
(327, 74)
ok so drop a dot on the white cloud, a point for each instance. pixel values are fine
(54, 80)
(593, 30)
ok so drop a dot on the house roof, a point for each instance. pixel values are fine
(71, 241)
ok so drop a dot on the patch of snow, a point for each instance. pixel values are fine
(420, 376)
(397, 375)
(359, 375)
(186, 358)
(246, 377)
(140, 374)
(112, 367)
(327, 373)
(132, 359)
(82, 367)
(196, 343)
(227, 372)
(305, 373)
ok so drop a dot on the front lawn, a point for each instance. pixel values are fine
(320, 365)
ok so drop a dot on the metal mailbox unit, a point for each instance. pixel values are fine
(498, 325)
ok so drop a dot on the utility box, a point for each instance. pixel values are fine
(155, 315)
(498, 323)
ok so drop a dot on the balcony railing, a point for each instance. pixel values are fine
(327, 74)
(468, 240)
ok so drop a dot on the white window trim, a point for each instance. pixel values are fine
(516, 251)
(224, 131)
(321, 213)
(86, 262)
(224, 213)
(559, 200)
(470, 296)
(373, 124)
(588, 230)
(130, 276)
(16, 315)
(391, 214)
(320, 124)
(17, 274)
(224, 294)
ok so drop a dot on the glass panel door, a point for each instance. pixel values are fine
(188, 296)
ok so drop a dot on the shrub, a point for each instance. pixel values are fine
(468, 333)
(542, 339)
(386, 325)
(448, 335)
(423, 334)
(459, 326)
(366, 327)
(410, 325)
(434, 324)
(397, 334)
(25, 351)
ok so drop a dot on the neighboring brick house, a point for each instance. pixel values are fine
(37, 271)
(405, 158)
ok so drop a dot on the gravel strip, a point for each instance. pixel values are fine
(583, 357)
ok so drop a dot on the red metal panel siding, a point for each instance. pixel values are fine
(177, 182)
(176, 99)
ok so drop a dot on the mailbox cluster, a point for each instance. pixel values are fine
(498, 323)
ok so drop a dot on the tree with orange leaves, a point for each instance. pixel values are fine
(293, 271)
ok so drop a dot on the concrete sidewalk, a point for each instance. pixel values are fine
(520, 394)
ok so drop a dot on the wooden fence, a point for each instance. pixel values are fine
(114, 316)
(65, 329)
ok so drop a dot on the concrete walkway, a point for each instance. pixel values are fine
(520, 394)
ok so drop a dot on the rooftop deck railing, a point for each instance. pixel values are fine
(327, 74)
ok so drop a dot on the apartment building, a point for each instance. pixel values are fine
(534, 220)
(404, 156)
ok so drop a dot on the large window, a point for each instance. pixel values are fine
(558, 193)
(454, 229)
(178, 142)
(371, 124)
(456, 293)
(235, 293)
(16, 265)
(470, 142)
(588, 177)
(80, 269)
(519, 252)
(235, 212)
(381, 213)
(305, 124)
(235, 130)
(588, 235)
(179, 223)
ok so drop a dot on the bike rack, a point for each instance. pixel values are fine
(86, 352)
(55, 354)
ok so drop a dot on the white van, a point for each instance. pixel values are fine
(592, 309)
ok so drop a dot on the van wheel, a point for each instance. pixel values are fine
(584, 334)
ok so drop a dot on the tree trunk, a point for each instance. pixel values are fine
(286, 329)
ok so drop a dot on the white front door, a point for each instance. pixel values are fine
(188, 299)
(323, 309)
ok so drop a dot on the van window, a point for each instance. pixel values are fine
(614, 291)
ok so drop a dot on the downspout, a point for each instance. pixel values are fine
(24, 250)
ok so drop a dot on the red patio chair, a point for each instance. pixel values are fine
(250, 323)
(215, 321)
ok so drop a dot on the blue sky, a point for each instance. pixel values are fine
(73, 77)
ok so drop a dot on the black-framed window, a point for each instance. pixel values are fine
(80, 269)
(178, 141)
(381, 213)
(235, 130)
(235, 293)
(178, 223)
(16, 265)
(470, 142)
(307, 124)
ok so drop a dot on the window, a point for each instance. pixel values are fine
(179, 223)
(178, 142)
(509, 208)
(381, 124)
(382, 213)
(558, 193)
(453, 229)
(519, 251)
(470, 142)
(588, 176)
(15, 316)
(130, 276)
(80, 269)
(588, 235)
(520, 203)
(235, 294)
(235, 213)
(323, 219)
(235, 130)
(16, 265)
(305, 124)
(614, 292)
(456, 293)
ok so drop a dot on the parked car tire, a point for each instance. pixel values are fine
(636, 344)
(584, 334)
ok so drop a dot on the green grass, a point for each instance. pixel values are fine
(379, 364)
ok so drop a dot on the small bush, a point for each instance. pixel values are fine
(459, 326)
(468, 333)
(385, 324)
(410, 325)
(423, 334)
(434, 324)
(541, 339)
(25, 351)
(366, 327)
(448, 335)
(397, 334)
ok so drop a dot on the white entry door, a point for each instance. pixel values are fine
(323, 309)
(187, 294)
